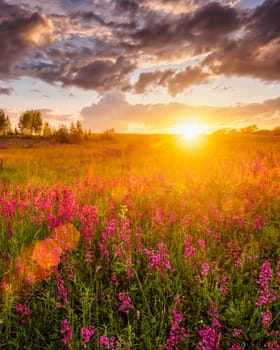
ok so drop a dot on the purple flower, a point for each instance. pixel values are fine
(125, 300)
(66, 331)
(86, 334)
(108, 343)
(23, 311)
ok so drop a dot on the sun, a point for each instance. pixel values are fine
(191, 131)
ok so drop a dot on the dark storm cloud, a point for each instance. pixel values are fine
(6, 91)
(175, 81)
(158, 78)
(102, 75)
(19, 31)
(256, 52)
(190, 76)
(88, 16)
(127, 5)
(98, 44)
(190, 32)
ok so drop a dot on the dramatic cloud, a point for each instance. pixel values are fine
(102, 75)
(99, 44)
(158, 78)
(6, 91)
(113, 110)
(160, 49)
(255, 52)
(188, 77)
(106, 113)
(175, 81)
(19, 32)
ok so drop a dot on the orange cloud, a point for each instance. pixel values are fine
(113, 111)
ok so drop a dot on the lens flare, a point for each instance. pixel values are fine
(190, 131)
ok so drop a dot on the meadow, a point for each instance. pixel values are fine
(140, 242)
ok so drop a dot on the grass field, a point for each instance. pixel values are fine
(141, 242)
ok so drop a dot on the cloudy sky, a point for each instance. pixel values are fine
(142, 65)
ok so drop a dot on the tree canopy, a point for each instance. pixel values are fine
(30, 122)
(5, 124)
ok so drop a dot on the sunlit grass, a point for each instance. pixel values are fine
(144, 243)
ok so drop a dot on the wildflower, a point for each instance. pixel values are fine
(177, 301)
(201, 243)
(204, 219)
(124, 298)
(237, 332)
(62, 292)
(103, 341)
(259, 222)
(266, 294)
(86, 334)
(89, 219)
(204, 269)
(114, 280)
(272, 345)
(236, 347)
(67, 237)
(210, 335)
(222, 286)
(109, 343)
(266, 317)
(4, 285)
(130, 273)
(66, 331)
(177, 333)
(210, 338)
(189, 251)
(223, 289)
(114, 277)
(23, 311)
(160, 260)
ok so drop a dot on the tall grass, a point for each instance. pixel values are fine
(178, 247)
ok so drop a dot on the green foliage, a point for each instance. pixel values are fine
(108, 134)
(62, 134)
(74, 134)
(30, 122)
(47, 130)
(223, 216)
(5, 124)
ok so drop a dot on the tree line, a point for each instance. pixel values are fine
(247, 130)
(31, 123)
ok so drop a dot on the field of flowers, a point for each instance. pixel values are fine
(144, 244)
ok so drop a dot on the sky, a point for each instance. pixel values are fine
(142, 66)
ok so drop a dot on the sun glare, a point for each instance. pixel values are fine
(191, 131)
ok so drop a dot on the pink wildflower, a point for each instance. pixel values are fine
(86, 333)
(66, 331)
(125, 300)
